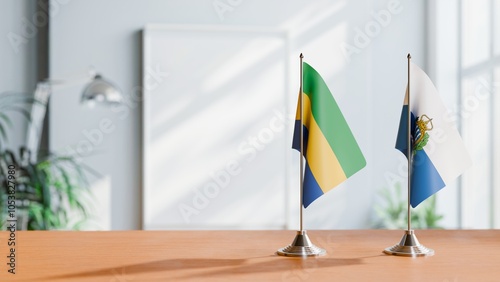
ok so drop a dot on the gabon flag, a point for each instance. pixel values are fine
(331, 152)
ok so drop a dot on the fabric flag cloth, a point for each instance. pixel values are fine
(439, 155)
(332, 154)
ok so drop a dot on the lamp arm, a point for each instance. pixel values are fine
(97, 89)
(38, 112)
(71, 81)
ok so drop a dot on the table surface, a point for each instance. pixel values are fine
(353, 255)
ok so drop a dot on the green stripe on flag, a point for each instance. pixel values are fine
(332, 123)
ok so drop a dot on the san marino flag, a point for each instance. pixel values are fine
(331, 152)
(439, 155)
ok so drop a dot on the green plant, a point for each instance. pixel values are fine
(50, 192)
(393, 213)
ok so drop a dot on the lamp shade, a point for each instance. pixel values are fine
(101, 90)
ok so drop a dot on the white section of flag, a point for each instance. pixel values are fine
(445, 148)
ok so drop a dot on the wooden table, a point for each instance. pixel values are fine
(356, 255)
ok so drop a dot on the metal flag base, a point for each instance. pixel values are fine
(301, 247)
(409, 247)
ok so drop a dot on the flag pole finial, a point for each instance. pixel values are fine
(301, 56)
(408, 56)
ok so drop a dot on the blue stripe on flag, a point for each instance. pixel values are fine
(425, 179)
(296, 137)
(312, 191)
(311, 187)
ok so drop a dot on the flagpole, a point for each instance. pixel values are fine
(301, 245)
(301, 173)
(409, 246)
(409, 149)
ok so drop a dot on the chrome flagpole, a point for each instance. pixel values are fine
(409, 145)
(409, 245)
(301, 245)
(302, 155)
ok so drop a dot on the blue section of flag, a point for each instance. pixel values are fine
(312, 191)
(311, 187)
(425, 179)
(296, 137)
(402, 137)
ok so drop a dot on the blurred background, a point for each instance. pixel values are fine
(202, 136)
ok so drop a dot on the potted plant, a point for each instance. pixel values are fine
(50, 193)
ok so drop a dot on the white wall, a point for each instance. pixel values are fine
(468, 88)
(17, 57)
(369, 87)
(443, 61)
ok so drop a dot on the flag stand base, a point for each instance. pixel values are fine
(409, 247)
(301, 247)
